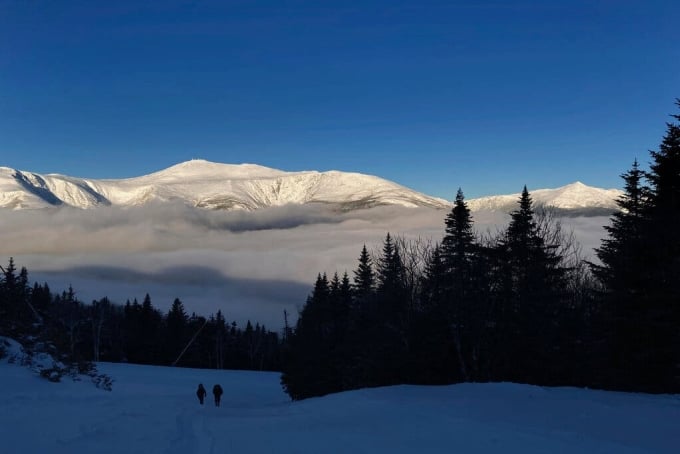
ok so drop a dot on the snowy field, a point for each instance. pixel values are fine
(154, 410)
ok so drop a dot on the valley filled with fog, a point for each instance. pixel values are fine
(251, 265)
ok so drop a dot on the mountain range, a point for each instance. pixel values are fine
(250, 187)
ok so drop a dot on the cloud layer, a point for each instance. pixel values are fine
(251, 265)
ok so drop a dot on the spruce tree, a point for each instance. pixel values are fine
(640, 271)
(364, 276)
(534, 284)
(176, 333)
(390, 275)
(622, 254)
(431, 361)
(458, 242)
(662, 369)
(311, 367)
(664, 211)
(389, 332)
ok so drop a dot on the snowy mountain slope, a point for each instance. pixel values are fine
(154, 410)
(250, 187)
(574, 197)
(209, 185)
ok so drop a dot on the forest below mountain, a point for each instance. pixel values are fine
(75, 332)
(519, 305)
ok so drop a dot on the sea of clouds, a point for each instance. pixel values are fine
(250, 265)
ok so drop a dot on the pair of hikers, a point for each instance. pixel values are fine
(217, 393)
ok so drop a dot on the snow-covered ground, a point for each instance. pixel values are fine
(155, 410)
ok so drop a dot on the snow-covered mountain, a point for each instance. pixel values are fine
(250, 187)
(209, 185)
(574, 198)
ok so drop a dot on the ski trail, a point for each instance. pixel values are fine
(209, 436)
(183, 438)
(192, 434)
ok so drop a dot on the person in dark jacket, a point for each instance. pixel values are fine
(217, 392)
(200, 393)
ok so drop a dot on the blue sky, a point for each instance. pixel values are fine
(487, 96)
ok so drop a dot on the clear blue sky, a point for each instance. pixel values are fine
(486, 95)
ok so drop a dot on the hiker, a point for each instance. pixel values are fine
(201, 392)
(217, 392)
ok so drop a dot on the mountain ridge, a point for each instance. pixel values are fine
(573, 198)
(249, 187)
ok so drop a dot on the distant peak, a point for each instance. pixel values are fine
(209, 169)
(576, 185)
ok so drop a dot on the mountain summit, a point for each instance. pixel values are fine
(574, 199)
(209, 185)
(250, 187)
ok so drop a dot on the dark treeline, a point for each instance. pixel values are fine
(519, 305)
(136, 332)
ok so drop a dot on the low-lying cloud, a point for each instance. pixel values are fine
(251, 265)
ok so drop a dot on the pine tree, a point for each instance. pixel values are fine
(364, 276)
(390, 275)
(431, 361)
(460, 255)
(640, 271)
(664, 210)
(622, 254)
(433, 287)
(149, 331)
(662, 301)
(458, 242)
(176, 334)
(534, 282)
(311, 367)
(219, 338)
(14, 300)
(387, 331)
(625, 274)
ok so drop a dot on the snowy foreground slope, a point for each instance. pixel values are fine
(154, 410)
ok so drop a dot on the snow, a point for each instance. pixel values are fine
(250, 187)
(154, 410)
(573, 196)
(208, 185)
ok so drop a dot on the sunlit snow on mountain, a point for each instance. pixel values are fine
(250, 187)
(209, 185)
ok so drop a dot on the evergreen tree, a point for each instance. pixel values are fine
(640, 271)
(176, 333)
(433, 287)
(345, 293)
(431, 361)
(660, 363)
(364, 276)
(622, 254)
(532, 289)
(150, 320)
(388, 329)
(219, 337)
(458, 243)
(311, 367)
(391, 280)
(625, 274)
(664, 216)
(16, 312)
(462, 285)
